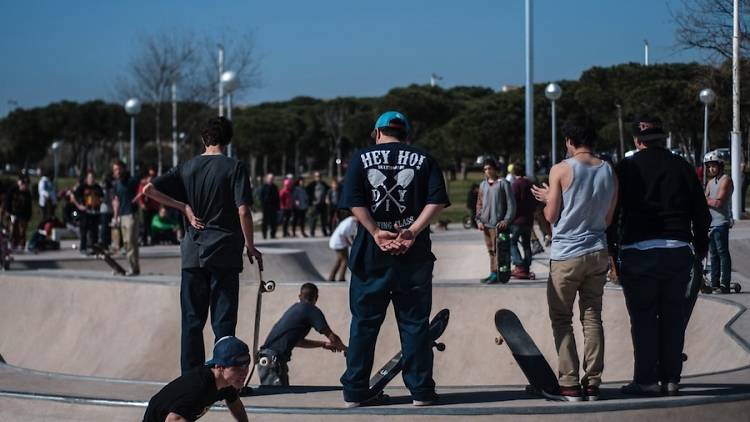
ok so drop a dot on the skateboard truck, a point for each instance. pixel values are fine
(499, 340)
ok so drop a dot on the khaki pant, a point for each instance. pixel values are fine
(129, 229)
(490, 236)
(584, 275)
(342, 258)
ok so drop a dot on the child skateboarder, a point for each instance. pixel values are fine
(290, 332)
(191, 395)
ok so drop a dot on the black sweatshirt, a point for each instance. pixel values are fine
(660, 198)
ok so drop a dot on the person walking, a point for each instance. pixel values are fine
(317, 191)
(290, 332)
(662, 211)
(580, 202)
(496, 208)
(394, 190)
(88, 198)
(213, 192)
(270, 205)
(718, 192)
(301, 203)
(523, 223)
(125, 213)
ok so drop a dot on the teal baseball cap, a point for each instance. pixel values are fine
(392, 119)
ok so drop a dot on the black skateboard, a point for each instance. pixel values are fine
(502, 253)
(380, 380)
(533, 364)
(263, 287)
(101, 253)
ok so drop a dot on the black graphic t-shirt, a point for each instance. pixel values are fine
(395, 181)
(190, 396)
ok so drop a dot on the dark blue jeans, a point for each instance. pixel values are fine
(520, 233)
(655, 282)
(201, 289)
(721, 260)
(410, 289)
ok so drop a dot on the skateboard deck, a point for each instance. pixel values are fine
(263, 287)
(533, 364)
(502, 253)
(385, 375)
(103, 254)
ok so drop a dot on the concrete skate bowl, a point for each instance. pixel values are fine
(131, 330)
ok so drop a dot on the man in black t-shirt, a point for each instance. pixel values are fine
(213, 192)
(394, 190)
(88, 198)
(290, 332)
(191, 395)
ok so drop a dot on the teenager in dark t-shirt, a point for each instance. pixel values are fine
(290, 332)
(191, 395)
(213, 192)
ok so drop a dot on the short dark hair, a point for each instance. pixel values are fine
(518, 169)
(217, 131)
(492, 163)
(309, 291)
(394, 132)
(580, 134)
(118, 163)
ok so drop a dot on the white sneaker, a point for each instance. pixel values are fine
(352, 404)
(422, 402)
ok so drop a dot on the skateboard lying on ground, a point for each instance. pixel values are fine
(380, 380)
(502, 253)
(533, 364)
(263, 287)
(101, 253)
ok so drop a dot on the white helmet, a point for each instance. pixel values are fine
(713, 156)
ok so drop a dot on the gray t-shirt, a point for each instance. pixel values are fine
(214, 186)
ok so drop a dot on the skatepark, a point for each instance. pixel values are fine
(80, 344)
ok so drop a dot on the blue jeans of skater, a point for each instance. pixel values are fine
(721, 260)
(201, 289)
(520, 233)
(409, 287)
(655, 282)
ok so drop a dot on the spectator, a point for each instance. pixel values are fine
(317, 191)
(332, 202)
(471, 203)
(164, 228)
(719, 197)
(523, 223)
(340, 241)
(105, 237)
(301, 204)
(269, 202)
(125, 214)
(149, 207)
(580, 202)
(18, 206)
(47, 196)
(496, 208)
(88, 198)
(286, 203)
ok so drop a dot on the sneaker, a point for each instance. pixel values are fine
(429, 402)
(486, 279)
(492, 279)
(635, 389)
(591, 392)
(725, 290)
(352, 404)
(132, 273)
(670, 389)
(571, 393)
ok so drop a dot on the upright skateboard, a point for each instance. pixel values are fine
(533, 364)
(263, 287)
(101, 253)
(502, 254)
(386, 374)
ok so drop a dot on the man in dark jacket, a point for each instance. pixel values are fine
(317, 191)
(661, 230)
(269, 202)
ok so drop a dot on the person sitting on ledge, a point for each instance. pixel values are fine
(290, 332)
(191, 395)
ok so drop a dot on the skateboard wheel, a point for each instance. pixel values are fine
(737, 288)
(440, 347)
(499, 340)
(269, 286)
(264, 361)
(684, 357)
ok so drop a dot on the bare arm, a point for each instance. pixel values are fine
(724, 194)
(310, 344)
(554, 197)
(613, 205)
(246, 222)
(237, 409)
(115, 207)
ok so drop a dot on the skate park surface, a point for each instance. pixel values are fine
(81, 344)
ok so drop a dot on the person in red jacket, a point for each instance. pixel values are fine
(286, 204)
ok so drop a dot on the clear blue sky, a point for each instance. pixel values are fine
(74, 49)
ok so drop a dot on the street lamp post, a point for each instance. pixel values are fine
(174, 125)
(529, 95)
(132, 107)
(230, 82)
(707, 97)
(56, 158)
(553, 93)
(622, 136)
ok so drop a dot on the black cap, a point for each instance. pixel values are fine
(648, 128)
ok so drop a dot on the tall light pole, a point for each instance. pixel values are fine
(645, 52)
(553, 93)
(736, 135)
(174, 125)
(132, 107)
(707, 97)
(56, 157)
(622, 136)
(230, 82)
(529, 96)
(221, 85)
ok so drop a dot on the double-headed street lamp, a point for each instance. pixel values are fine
(230, 82)
(132, 107)
(553, 93)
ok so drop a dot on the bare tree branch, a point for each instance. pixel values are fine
(707, 25)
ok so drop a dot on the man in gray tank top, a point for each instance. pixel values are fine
(719, 197)
(580, 202)
(496, 208)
